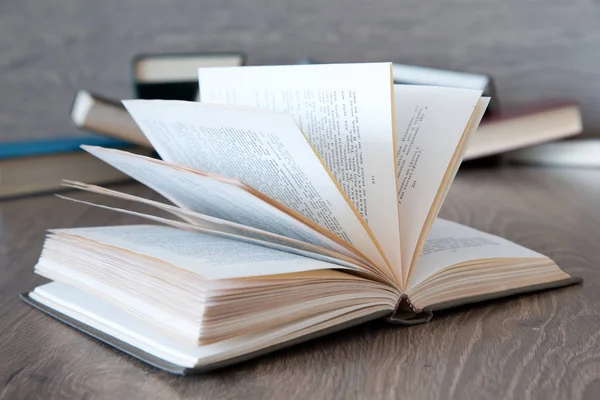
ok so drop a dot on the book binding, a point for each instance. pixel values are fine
(407, 314)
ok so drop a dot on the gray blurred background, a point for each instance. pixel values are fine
(534, 49)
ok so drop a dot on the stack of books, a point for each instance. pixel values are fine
(38, 166)
(173, 77)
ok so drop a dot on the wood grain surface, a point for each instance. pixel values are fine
(540, 346)
(536, 49)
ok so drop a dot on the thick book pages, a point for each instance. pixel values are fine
(104, 320)
(142, 342)
(145, 344)
(406, 314)
(296, 200)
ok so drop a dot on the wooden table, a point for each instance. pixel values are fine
(545, 345)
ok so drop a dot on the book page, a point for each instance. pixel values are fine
(482, 105)
(264, 149)
(217, 225)
(206, 195)
(346, 112)
(476, 118)
(209, 256)
(450, 243)
(430, 123)
(252, 237)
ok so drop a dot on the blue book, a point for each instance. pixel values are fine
(29, 148)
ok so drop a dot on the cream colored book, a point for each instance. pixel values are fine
(301, 200)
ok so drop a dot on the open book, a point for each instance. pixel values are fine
(301, 200)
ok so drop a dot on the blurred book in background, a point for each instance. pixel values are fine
(525, 127)
(497, 134)
(500, 131)
(107, 117)
(175, 76)
(38, 166)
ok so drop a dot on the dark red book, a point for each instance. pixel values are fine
(525, 127)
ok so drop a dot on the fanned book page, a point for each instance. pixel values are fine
(216, 197)
(305, 204)
(266, 150)
(433, 124)
(346, 112)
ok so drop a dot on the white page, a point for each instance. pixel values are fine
(100, 315)
(216, 224)
(248, 236)
(482, 105)
(476, 118)
(209, 256)
(126, 297)
(206, 195)
(450, 243)
(345, 111)
(430, 122)
(264, 149)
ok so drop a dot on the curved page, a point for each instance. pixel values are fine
(214, 226)
(346, 112)
(431, 123)
(265, 150)
(450, 243)
(208, 255)
(206, 195)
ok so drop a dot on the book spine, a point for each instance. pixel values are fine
(405, 302)
(406, 313)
